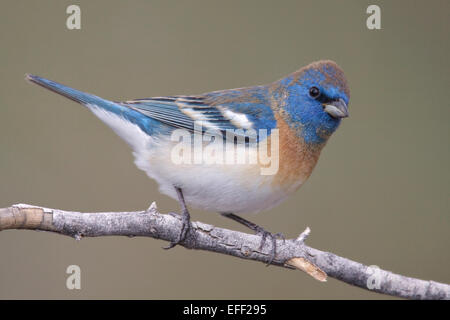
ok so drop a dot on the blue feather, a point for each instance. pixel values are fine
(146, 124)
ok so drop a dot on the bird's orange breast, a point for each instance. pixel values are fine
(296, 158)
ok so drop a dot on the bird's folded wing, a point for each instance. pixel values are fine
(185, 112)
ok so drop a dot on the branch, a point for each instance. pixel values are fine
(291, 253)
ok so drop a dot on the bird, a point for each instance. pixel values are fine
(293, 117)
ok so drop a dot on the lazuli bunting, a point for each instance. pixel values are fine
(293, 117)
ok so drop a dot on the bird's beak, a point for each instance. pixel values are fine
(337, 109)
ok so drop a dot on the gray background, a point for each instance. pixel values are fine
(379, 195)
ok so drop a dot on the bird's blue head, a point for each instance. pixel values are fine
(314, 100)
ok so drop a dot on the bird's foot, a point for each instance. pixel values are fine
(259, 231)
(186, 225)
(273, 237)
(185, 219)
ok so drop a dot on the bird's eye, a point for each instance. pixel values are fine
(314, 92)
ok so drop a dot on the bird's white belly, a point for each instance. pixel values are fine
(210, 189)
(237, 188)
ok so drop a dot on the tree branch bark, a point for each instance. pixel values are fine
(293, 253)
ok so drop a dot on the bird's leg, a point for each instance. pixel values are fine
(260, 231)
(185, 218)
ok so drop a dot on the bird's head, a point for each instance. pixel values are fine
(315, 99)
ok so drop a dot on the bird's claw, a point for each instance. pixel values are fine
(264, 235)
(185, 227)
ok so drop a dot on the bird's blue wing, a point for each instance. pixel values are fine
(245, 109)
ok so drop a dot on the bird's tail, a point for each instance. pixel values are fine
(131, 125)
(104, 109)
(73, 94)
